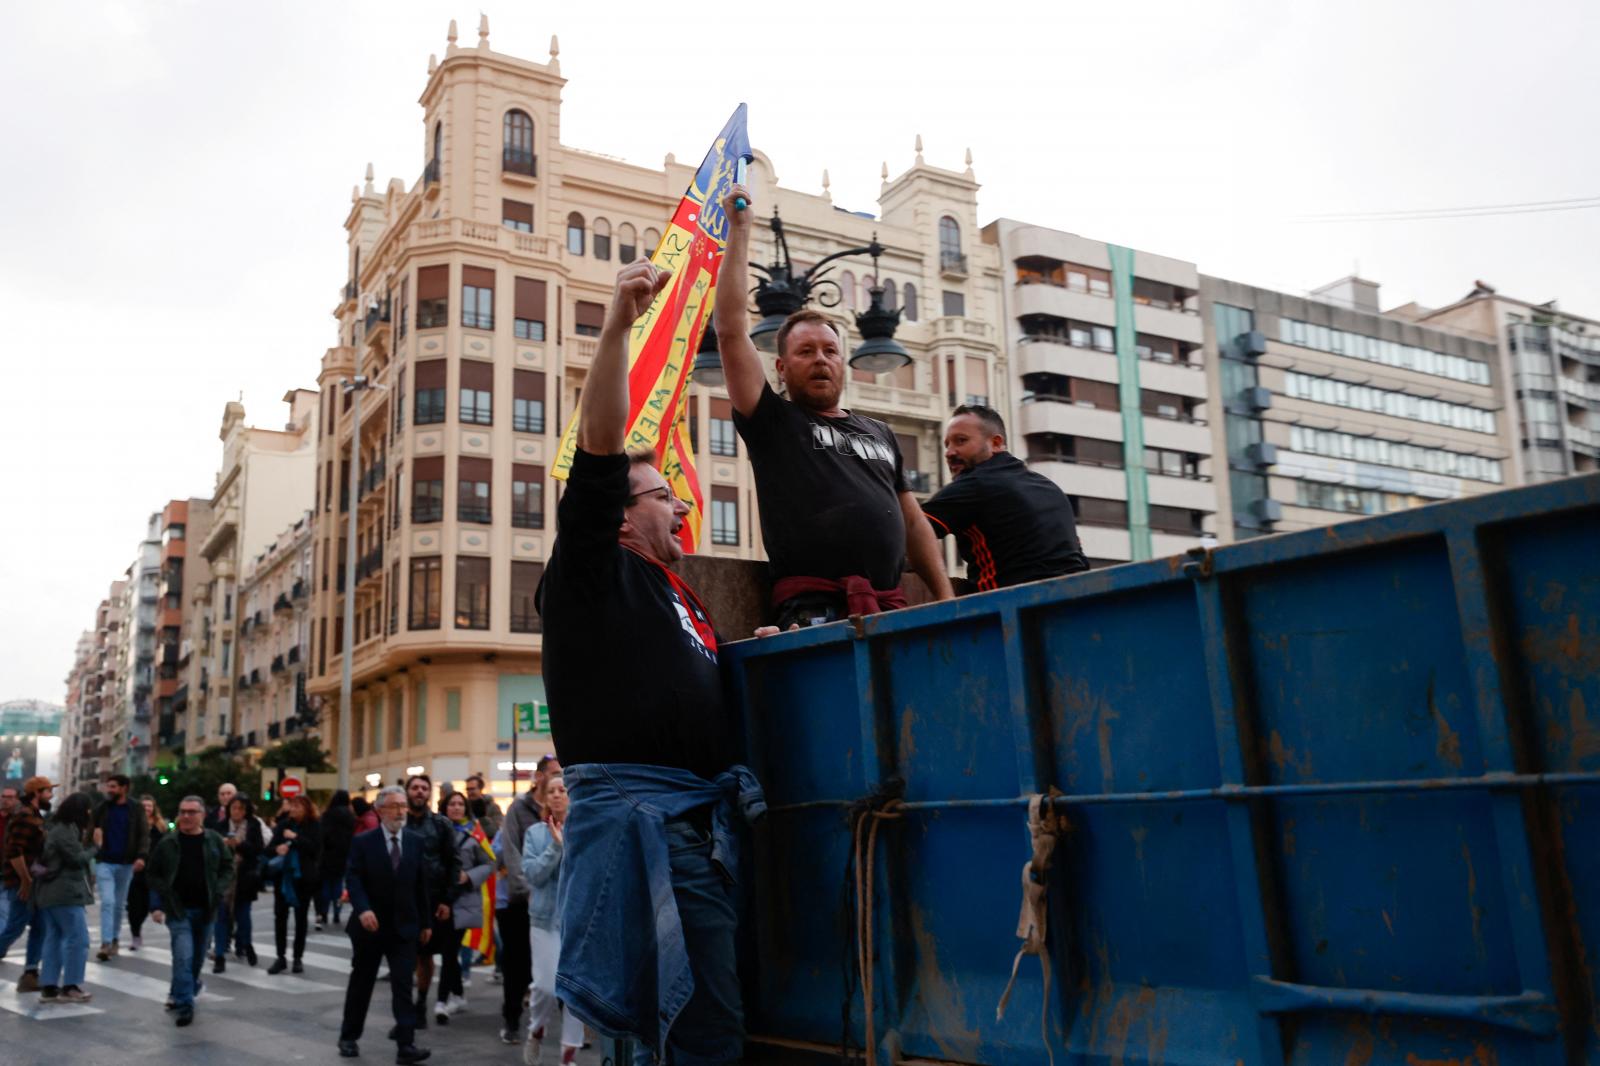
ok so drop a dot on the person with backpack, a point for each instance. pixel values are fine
(65, 892)
(295, 853)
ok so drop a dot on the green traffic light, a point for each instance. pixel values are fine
(162, 779)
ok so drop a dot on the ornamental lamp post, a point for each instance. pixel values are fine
(780, 293)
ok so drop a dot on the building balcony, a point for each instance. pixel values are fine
(1079, 478)
(1063, 303)
(255, 677)
(376, 317)
(224, 527)
(301, 589)
(273, 731)
(282, 603)
(477, 513)
(1172, 323)
(1190, 494)
(580, 351)
(953, 264)
(448, 231)
(427, 513)
(278, 665)
(527, 519)
(294, 654)
(1177, 436)
(889, 399)
(960, 327)
(520, 163)
(429, 181)
(1043, 416)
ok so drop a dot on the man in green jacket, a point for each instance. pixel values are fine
(188, 873)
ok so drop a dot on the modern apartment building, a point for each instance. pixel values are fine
(134, 645)
(473, 302)
(274, 623)
(1330, 408)
(1112, 404)
(174, 521)
(1550, 360)
(265, 483)
(194, 631)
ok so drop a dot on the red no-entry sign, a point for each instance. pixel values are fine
(290, 787)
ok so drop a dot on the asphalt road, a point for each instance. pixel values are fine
(243, 1017)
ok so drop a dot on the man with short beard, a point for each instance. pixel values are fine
(1011, 524)
(837, 516)
(440, 868)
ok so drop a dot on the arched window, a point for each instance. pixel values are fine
(438, 141)
(847, 285)
(909, 295)
(891, 296)
(949, 243)
(575, 233)
(601, 245)
(627, 243)
(652, 240)
(517, 153)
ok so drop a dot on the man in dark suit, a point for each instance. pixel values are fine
(389, 900)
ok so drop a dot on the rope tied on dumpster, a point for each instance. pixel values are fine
(1032, 922)
(864, 817)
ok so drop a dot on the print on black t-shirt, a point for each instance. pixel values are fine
(829, 492)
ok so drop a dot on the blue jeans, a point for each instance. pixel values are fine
(232, 920)
(22, 914)
(66, 944)
(188, 928)
(111, 882)
(710, 1029)
(328, 894)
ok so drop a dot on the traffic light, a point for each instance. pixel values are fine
(161, 779)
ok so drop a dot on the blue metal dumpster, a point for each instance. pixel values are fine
(1326, 797)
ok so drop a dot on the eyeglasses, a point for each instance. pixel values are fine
(667, 496)
(189, 810)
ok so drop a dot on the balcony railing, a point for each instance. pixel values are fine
(475, 512)
(351, 290)
(272, 731)
(282, 603)
(954, 263)
(370, 563)
(377, 316)
(519, 161)
(255, 677)
(294, 654)
(424, 513)
(244, 682)
(374, 477)
(430, 174)
(277, 664)
(300, 589)
(527, 519)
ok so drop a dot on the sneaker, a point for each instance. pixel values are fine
(318, 926)
(441, 1012)
(136, 943)
(29, 981)
(508, 1036)
(49, 994)
(569, 1055)
(74, 994)
(458, 1005)
(533, 1049)
(466, 980)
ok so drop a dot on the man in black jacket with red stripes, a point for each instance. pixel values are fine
(1011, 525)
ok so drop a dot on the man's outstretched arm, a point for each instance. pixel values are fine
(603, 414)
(922, 549)
(741, 363)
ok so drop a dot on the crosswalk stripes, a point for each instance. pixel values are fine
(28, 1004)
(295, 985)
(154, 989)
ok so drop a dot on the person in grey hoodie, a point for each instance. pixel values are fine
(511, 901)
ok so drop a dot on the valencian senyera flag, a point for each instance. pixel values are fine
(662, 344)
(481, 939)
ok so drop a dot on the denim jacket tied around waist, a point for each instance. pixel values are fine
(624, 967)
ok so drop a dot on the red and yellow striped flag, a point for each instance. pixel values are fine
(663, 342)
(481, 939)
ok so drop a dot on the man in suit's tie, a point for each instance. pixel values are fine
(389, 898)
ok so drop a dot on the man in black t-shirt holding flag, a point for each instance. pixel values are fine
(837, 517)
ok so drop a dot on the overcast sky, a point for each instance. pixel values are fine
(176, 175)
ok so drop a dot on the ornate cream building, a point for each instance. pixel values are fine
(472, 305)
(274, 627)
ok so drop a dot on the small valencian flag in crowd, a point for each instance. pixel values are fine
(663, 342)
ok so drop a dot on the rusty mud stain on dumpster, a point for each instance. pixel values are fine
(1448, 747)
(1482, 1055)
(1361, 1045)
(941, 997)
